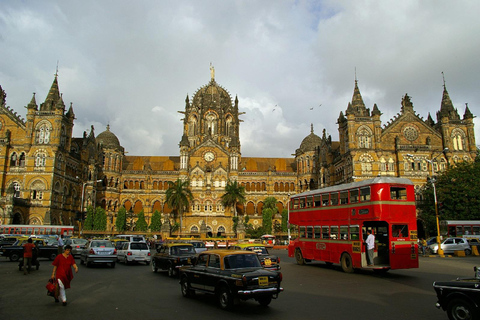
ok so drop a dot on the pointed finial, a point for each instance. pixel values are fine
(56, 70)
(311, 127)
(108, 127)
(212, 71)
(356, 74)
(443, 76)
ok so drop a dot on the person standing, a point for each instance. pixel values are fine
(62, 271)
(370, 247)
(27, 255)
(60, 244)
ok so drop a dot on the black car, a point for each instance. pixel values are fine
(230, 275)
(172, 256)
(15, 251)
(460, 298)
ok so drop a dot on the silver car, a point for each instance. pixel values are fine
(77, 245)
(450, 245)
(134, 252)
(99, 251)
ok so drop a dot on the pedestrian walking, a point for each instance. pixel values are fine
(60, 244)
(370, 247)
(62, 272)
(27, 255)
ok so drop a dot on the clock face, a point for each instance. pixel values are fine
(209, 156)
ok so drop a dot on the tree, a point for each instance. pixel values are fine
(271, 203)
(178, 197)
(457, 191)
(141, 224)
(267, 215)
(284, 220)
(156, 223)
(121, 222)
(100, 219)
(234, 194)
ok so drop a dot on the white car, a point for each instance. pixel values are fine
(450, 245)
(134, 252)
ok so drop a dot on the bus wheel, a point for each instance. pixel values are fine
(346, 262)
(299, 257)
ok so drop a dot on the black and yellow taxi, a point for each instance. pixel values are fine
(171, 256)
(230, 275)
(268, 261)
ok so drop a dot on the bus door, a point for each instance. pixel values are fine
(381, 252)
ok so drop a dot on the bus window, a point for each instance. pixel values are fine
(365, 194)
(343, 197)
(398, 193)
(354, 196)
(309, 201)
(354, 232)
(476, 230)
(325, 233)
(324, 200)
(343, 232)
(301, 232)
(459, 231)
(334, 198)
(301, 202)
(334, 232)
(310, 232)
(317, 232)
(295, 203)
(400, 231)
(317, 200)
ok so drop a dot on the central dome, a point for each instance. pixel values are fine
(108, 140)
(212, 95)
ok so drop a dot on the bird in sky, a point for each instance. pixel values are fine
(274, 108)
(319, 106)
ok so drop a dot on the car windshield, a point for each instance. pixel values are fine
(182, 250)
(236, 261)
(101, 244)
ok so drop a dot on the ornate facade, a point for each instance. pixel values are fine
(50, 177)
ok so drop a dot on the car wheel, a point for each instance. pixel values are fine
(88, 264)
(125, 260)
(171, 271)
(52, 256)
(346, 263)
(459, 309)
(468, 252)
(299, 257)
(153, 265)
(37, 265)
(112, 264)
(14, 257)
(264, 301)
(225, 298)
(187, 292)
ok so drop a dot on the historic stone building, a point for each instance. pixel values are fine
(49, 177)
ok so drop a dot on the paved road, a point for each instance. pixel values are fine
(314, 291)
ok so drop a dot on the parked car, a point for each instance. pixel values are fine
(10, 240)
(197, 244)
(268, 261)
(15, 251)
(474, 242)
(134, 252)
(131, 237)
(460, 298)
(118, 242)
(230, 275)
(99, 251)
(450, 245)
(172, 256)
(77, 245)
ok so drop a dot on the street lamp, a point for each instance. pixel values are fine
(288, 218)
(83, 194)
(432, 181)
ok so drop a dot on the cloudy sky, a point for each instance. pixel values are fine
(131, 64)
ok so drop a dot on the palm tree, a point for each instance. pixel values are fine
(234, 193)
(179, 196)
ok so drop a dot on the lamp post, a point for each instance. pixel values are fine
(288, 218)
(432, 181)
(83, 195)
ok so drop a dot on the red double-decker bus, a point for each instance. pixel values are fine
(333, 222)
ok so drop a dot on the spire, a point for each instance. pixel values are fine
(70, 113)
(467, 114)
(376, 111)
(446, 107)
(357, 101)
(33, 103)
(52, 97)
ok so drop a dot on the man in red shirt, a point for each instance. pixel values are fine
(27, 255)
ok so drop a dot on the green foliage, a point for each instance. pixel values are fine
(178, 196)
(141, 224)
(267, 215)
(234, 193)
(271, 203)
(174, 227)
(121, 219)
(457, 196)
(254, 233)
(235, 224)
(100, 219)
(88, 223)
(156, 223)
(284, 220)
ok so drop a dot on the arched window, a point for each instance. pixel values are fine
(194, 229)
(211, 123)
(366, 162)
(16, 188)
(14, 160)
(458, 139)
(364, 137)
(43, 131)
